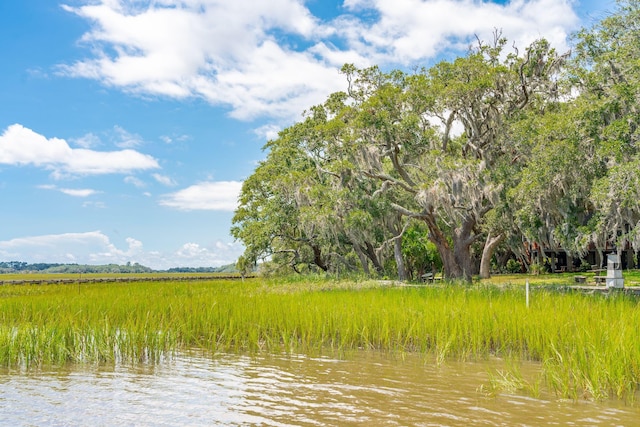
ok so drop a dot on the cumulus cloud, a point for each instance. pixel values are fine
(212, 196)
(95, 247)
(220, 253)
(20, 146)
(63, 248)
(275, 58)
(225, 52)
(268, 132)
(411, 30)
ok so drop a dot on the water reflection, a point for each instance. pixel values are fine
(231, 390)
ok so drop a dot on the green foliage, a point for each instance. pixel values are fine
(513, 266)
(584, 266)
(229, 268)
(358, 169)
(549, 151)
(420, 253)
(244, 266)
(535, 268)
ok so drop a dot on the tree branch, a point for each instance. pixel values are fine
(391, 180)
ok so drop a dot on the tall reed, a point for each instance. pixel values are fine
(588, 345)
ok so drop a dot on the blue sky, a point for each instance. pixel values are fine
(128, 126)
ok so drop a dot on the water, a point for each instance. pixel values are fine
(230, 390)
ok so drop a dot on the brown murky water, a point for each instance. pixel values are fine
(229, 390)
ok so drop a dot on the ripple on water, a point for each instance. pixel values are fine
(228, 390)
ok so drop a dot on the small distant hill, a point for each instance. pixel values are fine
(24, 267)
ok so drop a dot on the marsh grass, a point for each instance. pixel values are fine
(588, 345)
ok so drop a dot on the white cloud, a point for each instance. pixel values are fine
(199, 48)
(75, 192)
(119, 136)
(78, 192)
(67, 247)
(171, 139)
(164, 180)
(268, 132)
(136, 182)
(275, 58)
(96, 248)
(125, 139)
(21, 146)
(195, 255)
(89, 140)
(413, 30)
(213, 196)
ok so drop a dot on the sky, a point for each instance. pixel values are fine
(128, 126)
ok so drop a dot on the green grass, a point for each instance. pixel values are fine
(631, 278)
(76, 276)
(587, 345)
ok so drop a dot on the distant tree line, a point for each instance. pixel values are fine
(458, 165)
(229, 268)
(19, 266)
(14, 266)
(24, 267)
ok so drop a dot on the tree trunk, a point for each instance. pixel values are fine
(599, 258)
(629, 255)
(317, 258)
(371, 253)
(462, 254)
(456, 261)
(397, 253)
(570, 261)
(450, 267)
(364, 261)
(489, 247)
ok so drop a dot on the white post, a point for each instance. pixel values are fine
(527, 292)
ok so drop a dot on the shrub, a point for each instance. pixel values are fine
(514, 266)
(536, 268)
(584, 266)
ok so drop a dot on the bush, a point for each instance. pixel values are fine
(536, 268)
(514, 266)
(584, 266)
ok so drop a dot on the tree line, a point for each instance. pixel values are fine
(54, 268)
(45, 268)
(459, 164)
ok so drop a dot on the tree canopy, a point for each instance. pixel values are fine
(447, 165)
